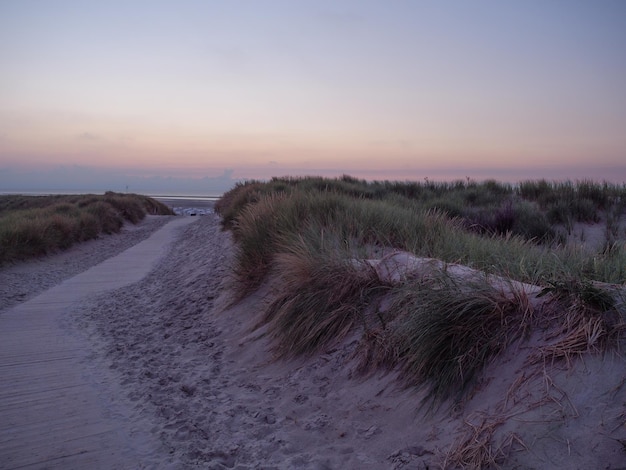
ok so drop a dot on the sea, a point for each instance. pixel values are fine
(188, 205)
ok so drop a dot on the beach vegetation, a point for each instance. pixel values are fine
(317, 241)
(32, 226)
(448, 329)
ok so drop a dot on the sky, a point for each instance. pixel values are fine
(188, 94)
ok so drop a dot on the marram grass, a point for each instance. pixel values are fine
(320, 302)
(32, 226)
(312, 235)
(451, 329)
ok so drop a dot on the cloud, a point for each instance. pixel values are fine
(87, 136)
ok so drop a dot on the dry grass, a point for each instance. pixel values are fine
(319, 302)
(378, 350)
(450, 329)
(477, 450)
(582, 318)
(32, 226)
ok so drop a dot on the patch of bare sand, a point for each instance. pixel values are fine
(595, 237)
(217, 398)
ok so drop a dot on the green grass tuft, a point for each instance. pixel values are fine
(450, 331)
(319, 303)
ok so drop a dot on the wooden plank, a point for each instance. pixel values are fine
(53, 408)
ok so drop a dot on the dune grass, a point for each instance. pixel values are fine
(447, 331)
(308, 235)
(284, 208)
(320, 302)
(32, 226)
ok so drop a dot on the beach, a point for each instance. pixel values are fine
(199, 376)
(186, 205)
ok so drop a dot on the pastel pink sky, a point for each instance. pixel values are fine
(380, 90)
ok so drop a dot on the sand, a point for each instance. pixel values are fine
(205, 383)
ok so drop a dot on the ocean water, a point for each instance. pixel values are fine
(189, 205)
(210, 196)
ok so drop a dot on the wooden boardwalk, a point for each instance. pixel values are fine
(56, 411)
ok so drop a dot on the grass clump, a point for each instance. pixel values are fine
(589, 318)
(501, 239)
(232, 203)
(320, 301)
(32, 226)
(266, 227)
(450, 330)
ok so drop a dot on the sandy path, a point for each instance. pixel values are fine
(217, 399)
(158, 336)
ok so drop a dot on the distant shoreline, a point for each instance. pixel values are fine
(203, 201)
(213, 197)
(188, 205)
(174, 200)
